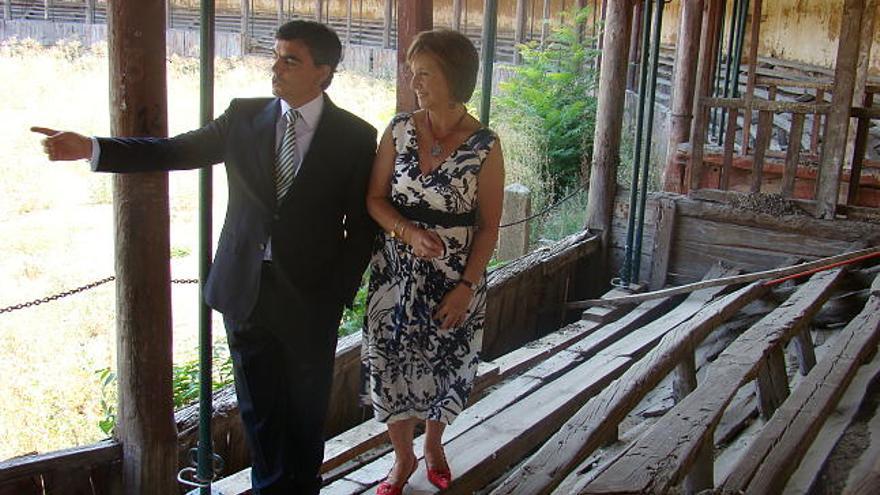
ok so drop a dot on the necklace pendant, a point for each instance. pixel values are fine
(436, 150)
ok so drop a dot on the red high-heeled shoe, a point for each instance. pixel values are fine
(441, 478)
(386, 488)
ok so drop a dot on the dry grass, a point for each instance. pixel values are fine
(56, 230)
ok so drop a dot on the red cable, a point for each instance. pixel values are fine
(821, 268)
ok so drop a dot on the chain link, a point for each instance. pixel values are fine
(545, 210)
(61, 295)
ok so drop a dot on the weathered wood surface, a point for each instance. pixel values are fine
(769, 106)
(773, 456)
(585, 431)
(771, 382)
(762, 142)
(662, 243)
(660, 458)
(731, 280)
(806, 352)
(93, 469)
(792, 157)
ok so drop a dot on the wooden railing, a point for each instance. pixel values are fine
(801, 122)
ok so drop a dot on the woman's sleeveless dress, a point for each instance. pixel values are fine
(413, 368)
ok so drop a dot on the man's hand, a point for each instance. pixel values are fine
(63, 145)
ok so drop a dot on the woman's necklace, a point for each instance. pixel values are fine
(436, 147)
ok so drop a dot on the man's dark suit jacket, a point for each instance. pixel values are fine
(321, 232)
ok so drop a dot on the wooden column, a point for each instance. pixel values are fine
(389, 18)
(245, 22)
(837, 122)
(519, 28)
(632, 75)
(319, 10)
(684, 79)
(545, 22)
(754, 40)
(138, 102)
(612, 93)
(412, 18)
(90, 10)
(456, 15)
(864, 62)
(279, 11)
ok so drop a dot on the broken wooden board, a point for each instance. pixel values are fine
(783, 441)
(584, 432)
(660, 458)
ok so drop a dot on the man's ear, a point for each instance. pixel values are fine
(326, 75)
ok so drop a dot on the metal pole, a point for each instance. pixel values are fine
(655, 60)
(205, 468)
(637, 145)
(490, 18)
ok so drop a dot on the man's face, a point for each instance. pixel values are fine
(295, 77)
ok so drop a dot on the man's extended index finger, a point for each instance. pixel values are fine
(44, 130)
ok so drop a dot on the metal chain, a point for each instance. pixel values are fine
(545, 210)
(60, 295)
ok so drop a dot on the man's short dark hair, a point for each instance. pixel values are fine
(323, 43)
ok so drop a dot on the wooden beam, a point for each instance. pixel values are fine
(683, 89)
(456, 15)
(412, 18)
(138, 102)
(279, 11)
(662, 242)
(90, 11)
(837, 124)
(319, 10)
(754, 38)
(245, 25)
(82, 458)
(581, 435)
(782, 443)
(860, 146)
(612, 94)
(770, 106)
(388, 20)
(792, 155)
(663, 455)
(736, 279)
(729, 146)
(762, 142)
(861, 91)
(519, 29)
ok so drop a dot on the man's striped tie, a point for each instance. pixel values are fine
(284, 162)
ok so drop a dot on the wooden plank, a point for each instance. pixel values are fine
(837, 125)
(729, 144)
(664, 454)
(810, 469)
(24, 485)
(792, 156)
(684, 382)
(816, 127)
(736, 279)
(737, 416)
(695, 167)
(84, 458)
(864, 477)
(771, 382)
(662, 242)
(770, 106)
(765, 132)
(858, 158)
(806, 353)
(586, 430)
(775, 454)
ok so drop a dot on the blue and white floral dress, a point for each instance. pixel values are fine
(413, 369)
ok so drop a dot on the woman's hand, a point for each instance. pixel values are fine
(425, 243)
(454, 306)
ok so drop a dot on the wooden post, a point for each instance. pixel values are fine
(519, 29)
(456, 15)
(319, 10)
(412, 18)
(792, 155)
(755, 36)
(684, 79)
(168, 11)
(772, 382)
(386, 31)
(860, 145)
(138, 102)
(47, 9)
(632, 77)
(612, 94)
(864, 62)
(545, 22)
(348, 22)
(90, 11)
(513, 240)
(245, 21)
(684, 382)
(837, 122)
(279, 11)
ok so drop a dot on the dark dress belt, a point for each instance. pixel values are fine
(436, 217)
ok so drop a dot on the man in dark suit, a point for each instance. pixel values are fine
(294, 245)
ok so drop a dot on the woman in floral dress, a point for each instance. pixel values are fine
(436, 190)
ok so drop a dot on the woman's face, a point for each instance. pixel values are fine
(428, 82)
